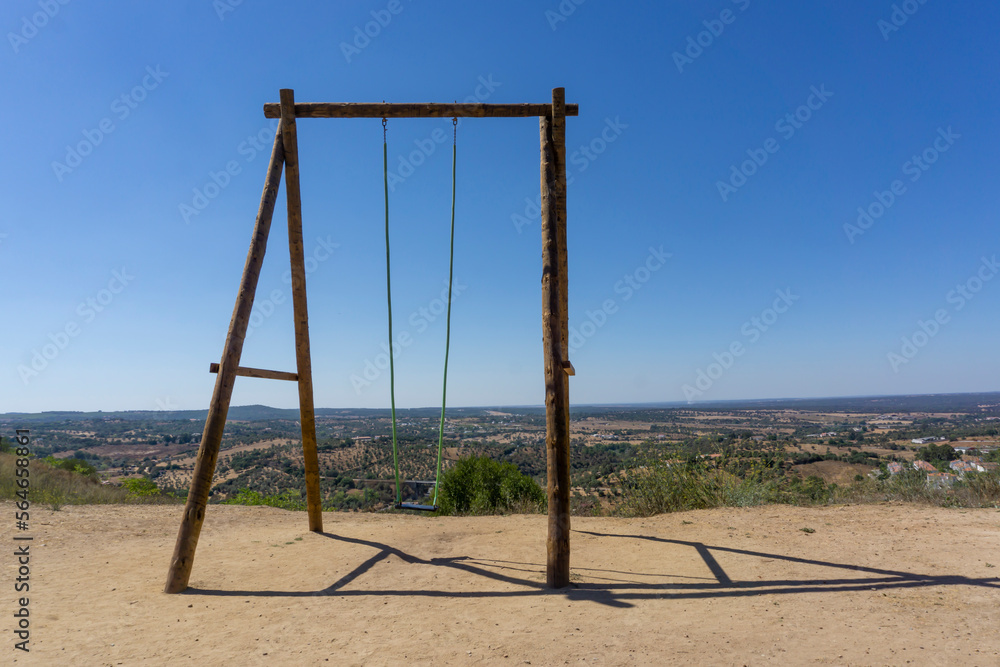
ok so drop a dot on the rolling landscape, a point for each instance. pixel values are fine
(829, 443)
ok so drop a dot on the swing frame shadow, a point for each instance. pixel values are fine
(555, 316)
(620, 594)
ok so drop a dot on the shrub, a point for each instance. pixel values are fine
(73, 465)
(54, 498)
(479, 485)
(140, 488)
(245, 497)
(290, 499)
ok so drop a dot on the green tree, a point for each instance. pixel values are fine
(936, 453)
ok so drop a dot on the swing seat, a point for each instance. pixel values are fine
(415, 506)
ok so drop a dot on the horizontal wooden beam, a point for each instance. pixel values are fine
(258, 373)
(383, 110)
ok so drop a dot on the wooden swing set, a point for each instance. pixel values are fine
(555, 317)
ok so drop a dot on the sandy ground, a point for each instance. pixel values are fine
(873, 585)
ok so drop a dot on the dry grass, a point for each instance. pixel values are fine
(974, 490)
(663, 486)
(54, 487)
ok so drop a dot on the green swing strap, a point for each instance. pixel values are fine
(447, 346)
(447, 336)
(388, 291)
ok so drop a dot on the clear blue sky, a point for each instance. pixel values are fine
(664, 122)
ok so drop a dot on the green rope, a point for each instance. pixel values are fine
(447, 344)
(447, 339)
(388, 291)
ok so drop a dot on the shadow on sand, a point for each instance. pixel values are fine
(610, 588)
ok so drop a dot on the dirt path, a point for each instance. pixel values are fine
(873, 585)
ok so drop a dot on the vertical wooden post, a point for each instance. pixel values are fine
(307, 415)
(555, 337)
(215, 423)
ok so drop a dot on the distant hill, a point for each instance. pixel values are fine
(239, 413)
(907, 403)
(903, 403)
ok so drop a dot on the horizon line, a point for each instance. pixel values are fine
(647, 404)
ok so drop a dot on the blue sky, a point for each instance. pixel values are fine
(721, 156)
